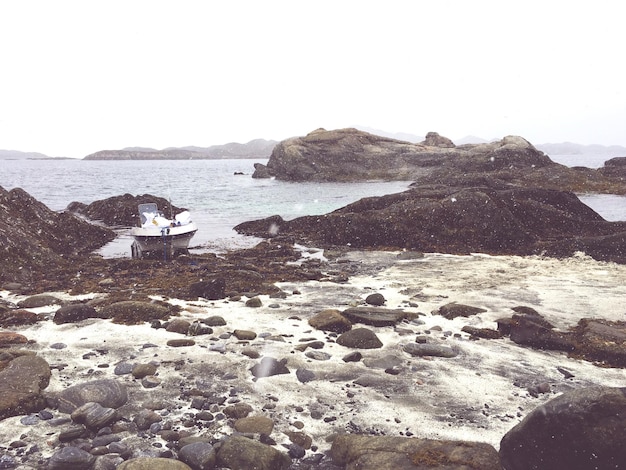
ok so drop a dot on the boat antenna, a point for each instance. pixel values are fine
(169, 196)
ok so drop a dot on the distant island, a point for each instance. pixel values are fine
(258, 148)
(18, 155)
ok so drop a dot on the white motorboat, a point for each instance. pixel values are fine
(158, 235)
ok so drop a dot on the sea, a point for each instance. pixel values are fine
(219, 193)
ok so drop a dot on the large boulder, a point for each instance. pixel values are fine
(21, 385)
(106, 392)
(579, 430)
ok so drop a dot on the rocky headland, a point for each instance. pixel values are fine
(353, 155)
(365, 350)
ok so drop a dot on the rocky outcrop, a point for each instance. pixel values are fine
(597, 340)
(121, 210)
(615, 167)
(578, 430)
(33, 237)
(487, 216)
(353, 155)
(433, 139)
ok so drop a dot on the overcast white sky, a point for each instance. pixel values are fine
(81, 76)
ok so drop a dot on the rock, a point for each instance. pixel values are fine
(21, 385)
(146, 418)
(261, 171)
(178, 325)
(330, 320)
(74, 313)
(254, 424)
(305, 375)
(354, 356)
(244, 335)
(17, 317)
(579, 430)
(109, 393)
(374, 316)
(8, 339)
(180, 343)
(238, 410)
(241, 453)
(486, 333)
(37, 239)
(143, 370)
(532, 330)
(602, 341)
(133, 312)
(94, 416)
(400, 453)
(453, 310)
(150, 381)
(385, 362)
(153, 463)
(254, 302)
(251, 352)
(215, 320)
(424, 349)
(303, 440)
(614, 167)
(39, 300)
(268, 367)
(360, 338)
(213, 289)
(198, 328)
(376, 299)
(198, 455)
(433, 139)
(71, 458)
(318, 355)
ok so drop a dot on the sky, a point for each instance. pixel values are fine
(81, 76)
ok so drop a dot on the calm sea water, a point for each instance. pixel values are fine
(217, 198)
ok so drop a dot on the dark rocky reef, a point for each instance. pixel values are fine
(353, 155)
(34, 238)
(121, 210)
(483, 215)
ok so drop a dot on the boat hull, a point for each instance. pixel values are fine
(163, 241)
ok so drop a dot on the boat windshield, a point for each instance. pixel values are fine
(145, 209)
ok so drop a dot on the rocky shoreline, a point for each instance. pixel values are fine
(419, 361)
(429, 329)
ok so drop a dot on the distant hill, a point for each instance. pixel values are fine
(258, 148)
(17, 155)
(570, 148)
